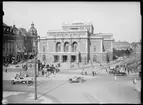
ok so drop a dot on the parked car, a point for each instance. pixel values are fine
(17, 66)
(25, 80)
(118, 73)
(76, 79)
(111, 71)
(6, 64)
(14, 62)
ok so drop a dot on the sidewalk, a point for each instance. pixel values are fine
(23, 97)
(10, 75)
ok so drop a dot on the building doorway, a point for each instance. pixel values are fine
(65, 58)
(94, 58)
(56, 58)
(73, 58)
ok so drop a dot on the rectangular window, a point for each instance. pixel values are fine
(43, 48)
(74, 28)
(94, 48)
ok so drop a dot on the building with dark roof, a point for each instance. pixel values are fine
(9, 48)
(16, 41)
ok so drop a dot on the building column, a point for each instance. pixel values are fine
(77, 58)
(54, 48)
(62, 46)
(61, 58)
(69, 55)
(69, 58)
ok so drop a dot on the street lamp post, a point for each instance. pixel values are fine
(35, 50)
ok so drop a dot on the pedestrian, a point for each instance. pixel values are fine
(92, 72)
(128, 71)
(6, 70)
(47, 74)
(42, 72)
(86, 73)
(135, 81)
(115, 78)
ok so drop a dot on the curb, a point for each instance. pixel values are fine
(29, 98)
(40, 99)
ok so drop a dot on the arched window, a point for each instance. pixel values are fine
(66, 47)
(58, 47)
(74, 47)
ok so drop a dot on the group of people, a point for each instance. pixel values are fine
(84, 72)
(119, 68)
(18, 76)
(47, 70)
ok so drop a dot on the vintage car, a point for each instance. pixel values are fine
(76, 79)
(118, 73)
(25, 80)
(6, 64)
(14, 62)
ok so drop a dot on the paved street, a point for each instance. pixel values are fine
(102, 88)
(99, 89)
(74, 53)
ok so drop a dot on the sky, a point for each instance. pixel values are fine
(123, 19)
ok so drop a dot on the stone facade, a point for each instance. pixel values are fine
(9, 43)
(74, 43)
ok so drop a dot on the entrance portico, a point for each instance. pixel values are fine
(65, 58)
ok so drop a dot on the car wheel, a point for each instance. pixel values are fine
(80, 81)
(12, 82)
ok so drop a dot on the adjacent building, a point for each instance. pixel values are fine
(17, 43)
(76, 42)
(9, 49)
(122, 45)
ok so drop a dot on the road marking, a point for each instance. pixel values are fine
(92, 98)
(44, 83)
(134, 87)
(56, 87)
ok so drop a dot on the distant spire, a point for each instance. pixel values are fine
(32, 25)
